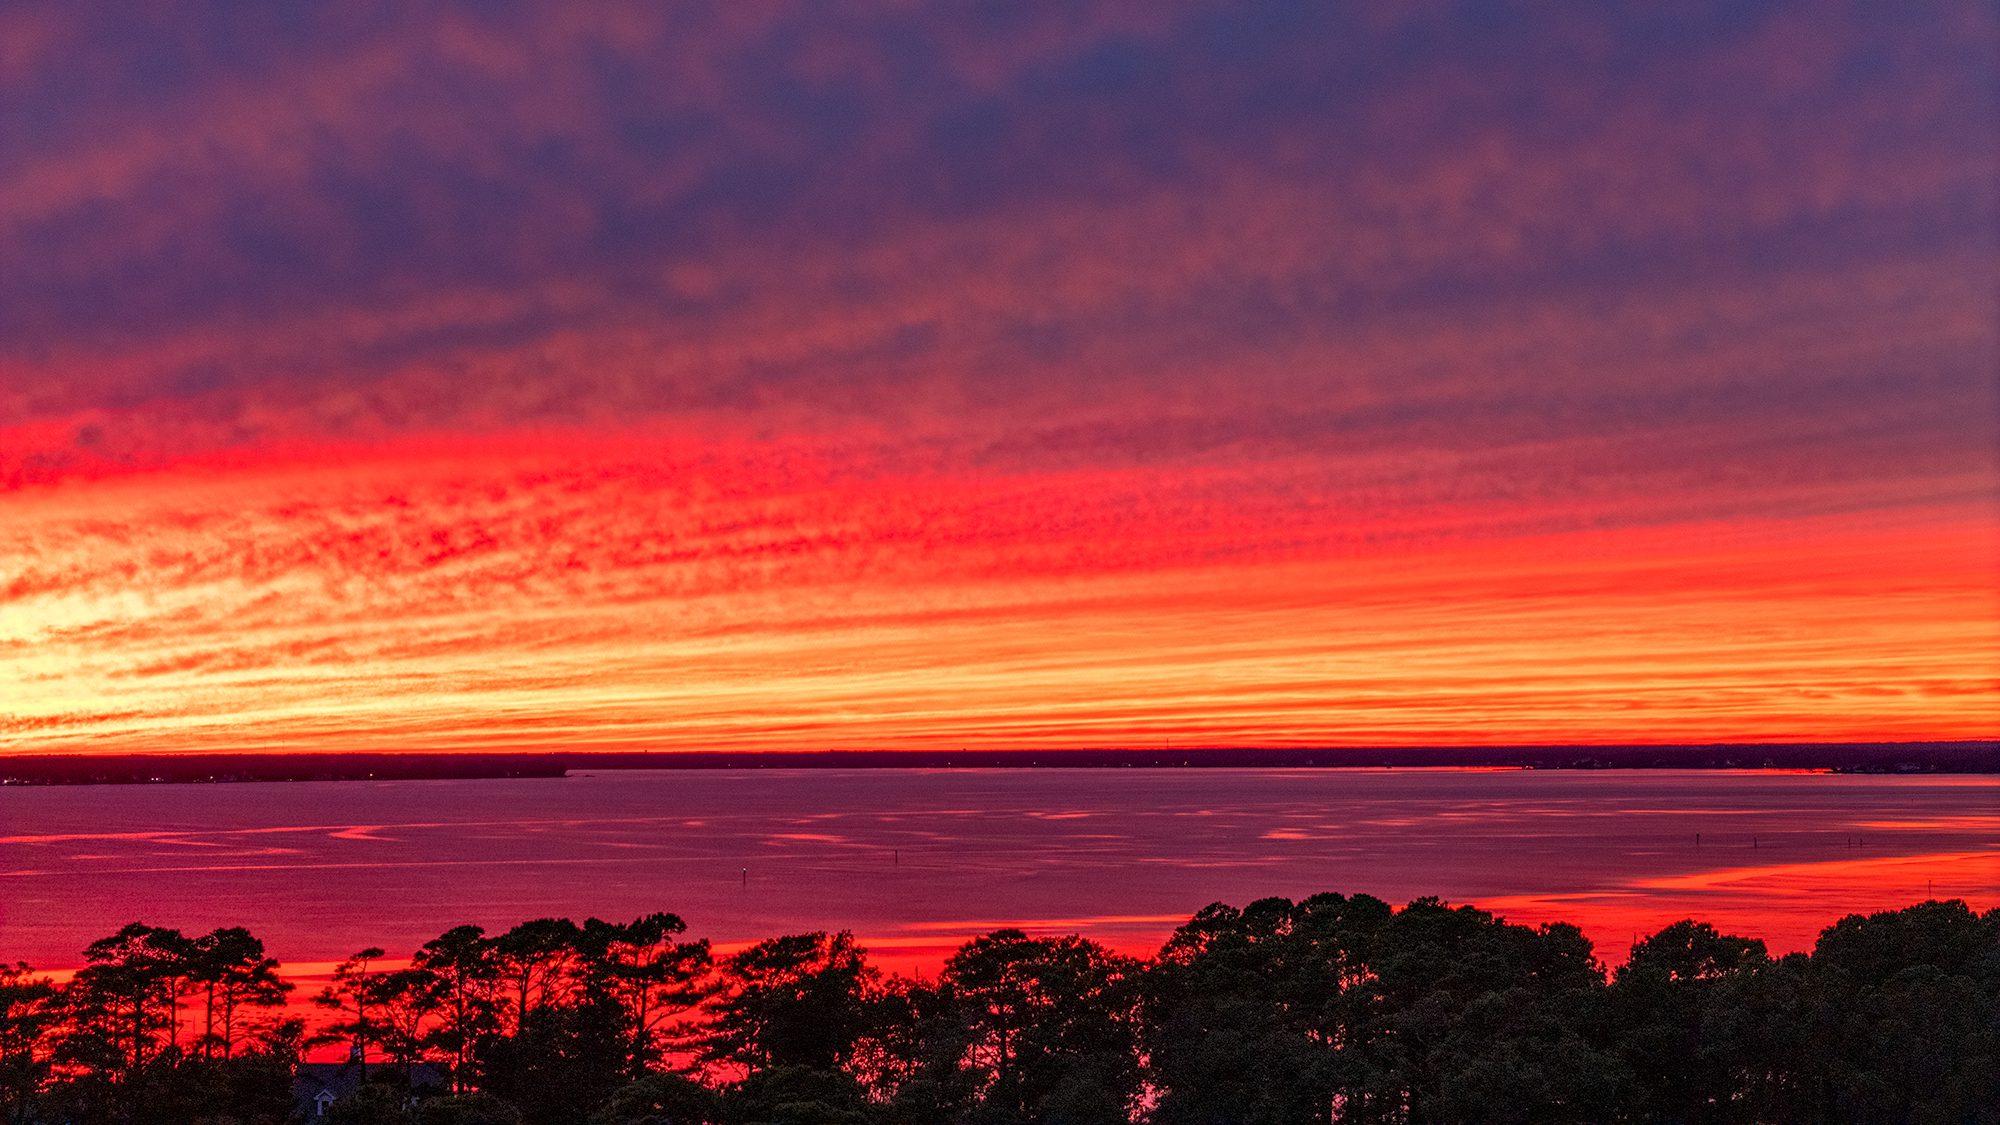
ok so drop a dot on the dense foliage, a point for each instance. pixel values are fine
(1332, 1009)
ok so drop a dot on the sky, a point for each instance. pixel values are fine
(1015, 374)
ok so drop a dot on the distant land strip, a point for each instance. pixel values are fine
(1973, 756)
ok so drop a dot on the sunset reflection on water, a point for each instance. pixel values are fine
(916, 861)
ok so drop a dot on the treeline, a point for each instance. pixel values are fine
(1332, 1009)
(1979, 756)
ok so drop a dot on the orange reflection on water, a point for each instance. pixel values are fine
(1785, 904)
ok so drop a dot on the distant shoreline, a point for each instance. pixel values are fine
(1971, 756)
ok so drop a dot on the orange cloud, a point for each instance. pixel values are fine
(549, 598)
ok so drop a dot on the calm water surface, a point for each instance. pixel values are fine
(917, 860)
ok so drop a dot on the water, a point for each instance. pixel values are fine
(915, 861)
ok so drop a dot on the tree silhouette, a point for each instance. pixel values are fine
(229, 972)
(1037, 1029)
(535, 963)
(126, 1002)
(352, 997)
(1900, 1016)
(652, 977)
(28, 1019)
(796, 1001)
(409, 1006)
(1246, 1010)
(1466, 1017)
(464, 979)
(1691, 1022)
(1328, 1011)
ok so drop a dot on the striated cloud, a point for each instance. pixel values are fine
(779, 373)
